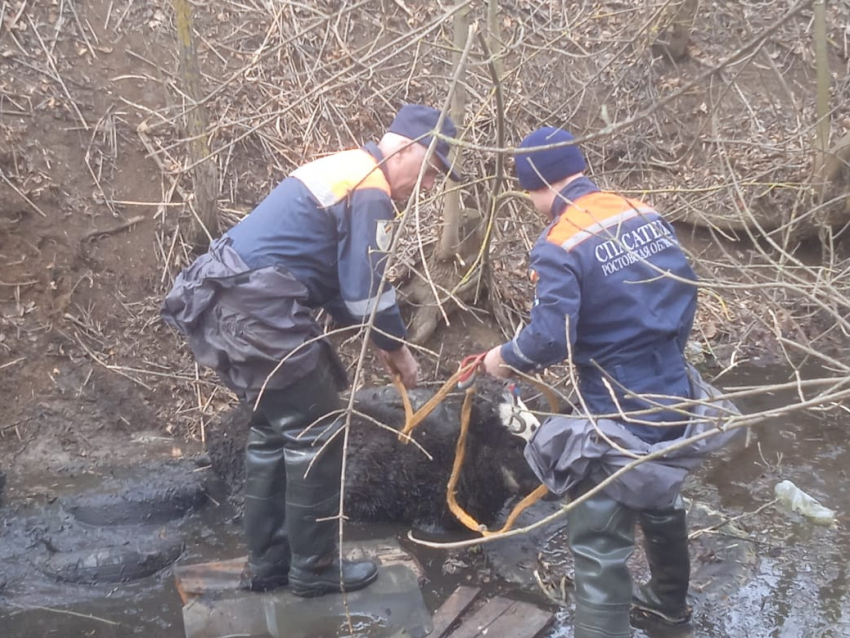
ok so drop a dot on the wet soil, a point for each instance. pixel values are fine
(769, 574)
(800, 586)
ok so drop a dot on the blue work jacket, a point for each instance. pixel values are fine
(330, 224)
(615, 293)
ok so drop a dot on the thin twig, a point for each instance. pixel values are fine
(9, 364)
(732, 519)
(67, 612)
(112, 231)
(18, 191)
(57, 76)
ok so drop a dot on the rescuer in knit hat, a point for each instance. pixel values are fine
(614, 295)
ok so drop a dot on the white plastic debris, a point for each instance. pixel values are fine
(798, 501)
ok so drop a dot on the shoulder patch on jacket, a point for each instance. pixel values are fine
(384, 235)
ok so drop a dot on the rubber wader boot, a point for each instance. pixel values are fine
(666, 542)
(296, 416)
(264, 514)
(312, 502)
(601, 534)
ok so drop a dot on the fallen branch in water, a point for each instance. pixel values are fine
(726, 521)
(65, 611)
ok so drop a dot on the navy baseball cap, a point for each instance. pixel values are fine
(418, 122)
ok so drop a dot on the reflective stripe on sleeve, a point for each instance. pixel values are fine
(515, 349)
(364, 308)
(332, 178)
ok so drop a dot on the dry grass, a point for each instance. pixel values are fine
(722, 140)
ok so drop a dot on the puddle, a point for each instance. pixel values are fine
(800, 589)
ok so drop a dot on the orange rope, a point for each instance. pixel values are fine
(528, 501)
(460, 452)
(408, 409)
(413, 419)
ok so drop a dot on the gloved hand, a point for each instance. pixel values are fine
(402, 363)
(495, 366)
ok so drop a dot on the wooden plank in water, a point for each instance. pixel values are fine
(208, 578)
(502, 617)
(483, 619)
(224, 576)
(452, 609)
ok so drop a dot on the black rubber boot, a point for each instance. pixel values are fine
(264, 514)
(294, 417)
(601, 533)
(304, 416)
(312, 504)
(665, 596)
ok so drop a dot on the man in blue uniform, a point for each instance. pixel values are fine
(319, 240)
(616, 296)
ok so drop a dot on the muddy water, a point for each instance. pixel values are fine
(37, 606)
(796, 588)
(800, 588)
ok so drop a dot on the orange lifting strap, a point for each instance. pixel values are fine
(413, 419)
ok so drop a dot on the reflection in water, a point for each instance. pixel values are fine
(800, 587)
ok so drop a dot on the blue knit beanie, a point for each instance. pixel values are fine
(536, 169)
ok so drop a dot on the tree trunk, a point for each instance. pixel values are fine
(450, 236)
(822, 65)
(204, 174)
(832, 177)
(447, 273)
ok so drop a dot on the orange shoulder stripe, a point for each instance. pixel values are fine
(592, 214)
(332, 178)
